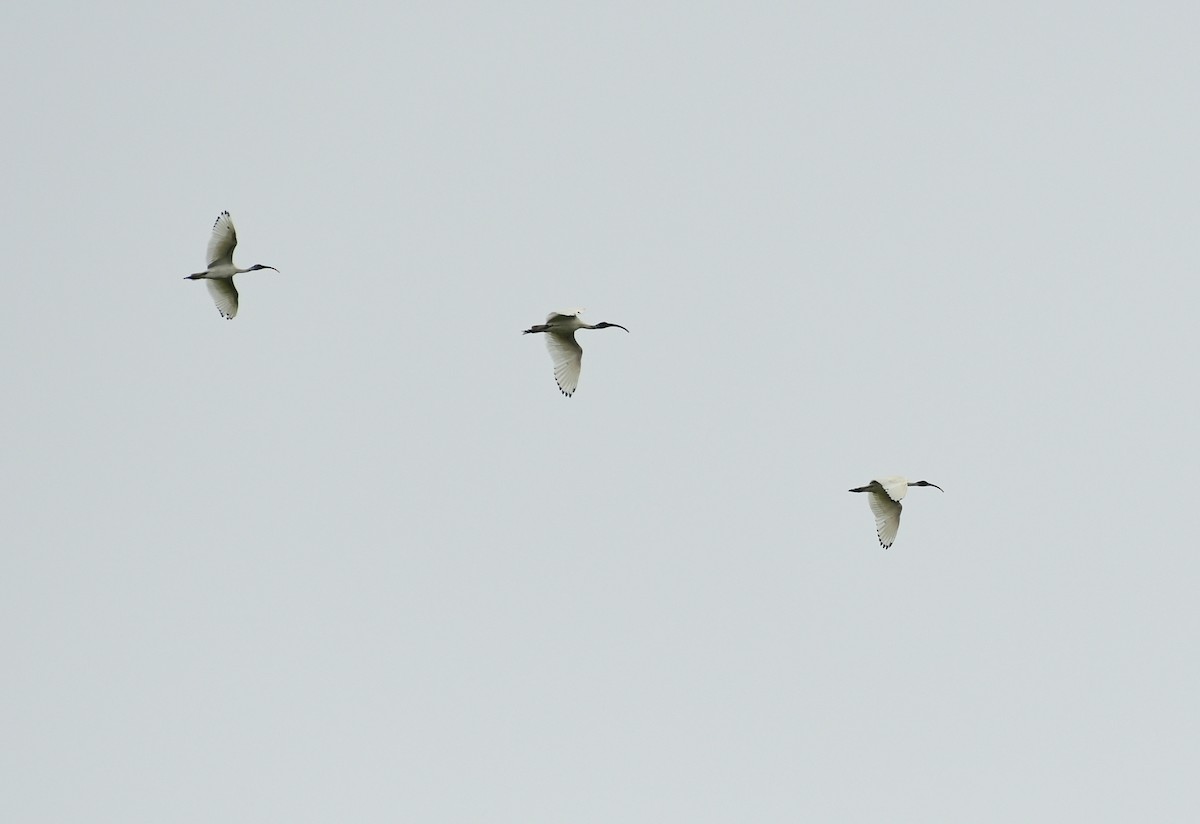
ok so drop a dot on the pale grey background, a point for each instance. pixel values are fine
(351, 557)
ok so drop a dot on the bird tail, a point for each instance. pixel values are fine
(197, 276)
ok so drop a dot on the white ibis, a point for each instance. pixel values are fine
(885, 495)
(220, 271)
(565, 352)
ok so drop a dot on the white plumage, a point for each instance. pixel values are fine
(222, 243)
(220, 271)
(565, 352)
(884, 495)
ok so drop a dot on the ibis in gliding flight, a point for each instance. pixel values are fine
(884, 495)
(220, 271)
(565, 351)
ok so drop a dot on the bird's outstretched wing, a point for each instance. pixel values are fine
(887, 516)
(224, 295)
(895, 487)
(222, 242)
(567, 356)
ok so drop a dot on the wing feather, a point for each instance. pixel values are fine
(222, 242)
(887, 516)
(895, 487)
(567, 356)
(224, 295)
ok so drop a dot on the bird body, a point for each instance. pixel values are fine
(565, 351)
(220, 271)
(884, 495)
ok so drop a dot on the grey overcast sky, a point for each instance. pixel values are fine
(351, 556)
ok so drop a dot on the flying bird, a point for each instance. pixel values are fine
(220, 271)
(885, 495)
(565, 352)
